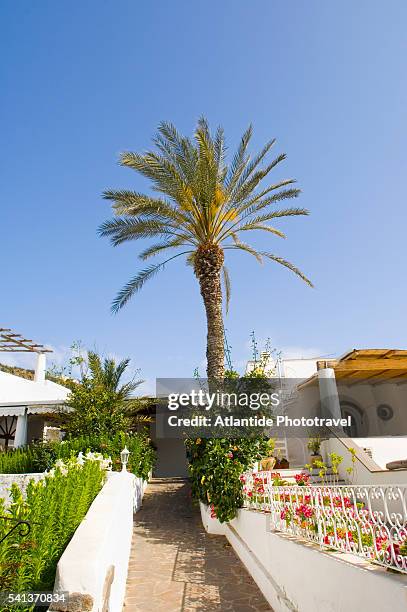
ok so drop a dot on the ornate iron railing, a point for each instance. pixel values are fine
(369, 521)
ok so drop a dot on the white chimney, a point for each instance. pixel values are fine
(39, 375)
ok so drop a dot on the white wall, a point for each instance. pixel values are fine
(22, 480)
(299, 577)
(385, 450)
(367, 471)
(299, 368)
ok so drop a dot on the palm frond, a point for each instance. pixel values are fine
(162, 246)
(259, 226)
(250, 167)
(289, 265)
(227, 286)
(178, 149)
(238, 225)
(259, 200)
(137, 282)
(191, 259)
(244, 190)
(219, 151)
(242, 246)
(95, 364)
(131, 203)
(276, 214)
(124, 229)
(239, 161)
(162, 172)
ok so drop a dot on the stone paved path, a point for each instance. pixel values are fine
(176, 567)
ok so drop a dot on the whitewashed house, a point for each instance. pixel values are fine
(368, 385)
(26, 406)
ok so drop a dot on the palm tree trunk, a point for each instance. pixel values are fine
(208, 265)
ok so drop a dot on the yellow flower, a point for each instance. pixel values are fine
(198, 441)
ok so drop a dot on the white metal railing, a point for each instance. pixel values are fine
(369, 521)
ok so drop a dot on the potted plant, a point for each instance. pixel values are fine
(269, 462)
(282, 464)
(314, 445)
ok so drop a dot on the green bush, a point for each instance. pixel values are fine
(142, 454)
(17, 461)
(54, 508)
(42, 456)
(215, 466)
(100, 403)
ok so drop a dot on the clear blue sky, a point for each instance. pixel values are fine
(82, 81)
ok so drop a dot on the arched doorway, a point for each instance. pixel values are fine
(358, 427)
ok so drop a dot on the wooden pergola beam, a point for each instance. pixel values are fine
(10, 342)
(370, 365)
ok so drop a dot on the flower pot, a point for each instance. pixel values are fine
(211, 524)
(282, 464)
(314, 458)
(267, 464)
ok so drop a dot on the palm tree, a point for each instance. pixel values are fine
(100, 401)
(202, 208)
(108, 374)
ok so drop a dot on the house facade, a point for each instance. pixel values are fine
(368, 387)
(28, 404)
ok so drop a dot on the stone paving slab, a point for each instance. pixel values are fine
(175, 566)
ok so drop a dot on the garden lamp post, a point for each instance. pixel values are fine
(124, 456)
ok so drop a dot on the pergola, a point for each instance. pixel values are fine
(368, 364)
(10, 342)
(373, 365)
(356, 367)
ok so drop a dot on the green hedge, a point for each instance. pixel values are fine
(18, 461)
(54, 507)
(40, 457)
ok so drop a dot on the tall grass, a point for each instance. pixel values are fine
(17, 461)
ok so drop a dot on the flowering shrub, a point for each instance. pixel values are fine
(215, 466)
(54, 507)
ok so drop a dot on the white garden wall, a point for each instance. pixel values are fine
(366, 471)
(93, 568)
(22, 480)
(296, 576)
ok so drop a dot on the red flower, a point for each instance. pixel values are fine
(304, 511)
(302, 479)
(284, 513)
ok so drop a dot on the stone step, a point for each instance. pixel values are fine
(328, 481)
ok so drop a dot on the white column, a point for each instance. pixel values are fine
(328, 392)
(40, 366)
(20, 437)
